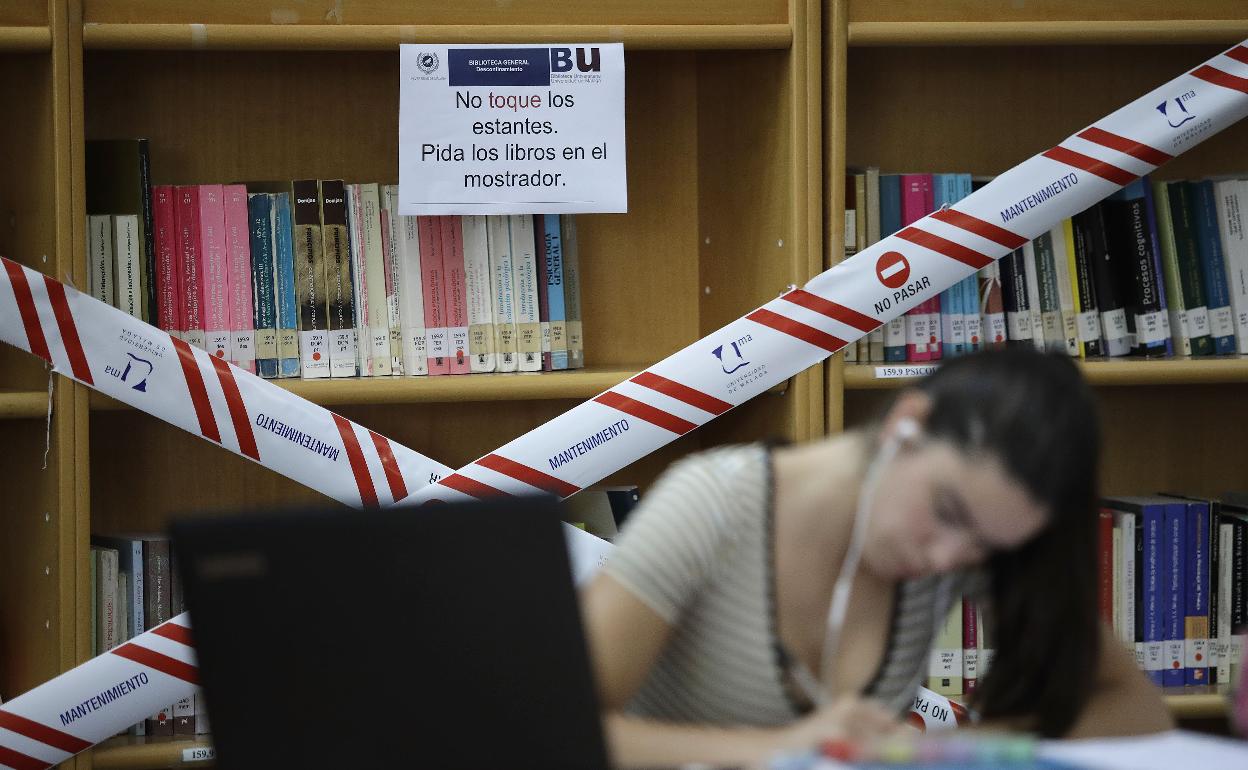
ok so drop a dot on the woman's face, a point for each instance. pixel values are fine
(937, 509)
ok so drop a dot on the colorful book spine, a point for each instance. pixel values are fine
(890, 222)
(390, 235)
(434, 285)
(214, 272)
(264, 299)
(528, 323)
(1232, 205)
(192, 311)
(477, 284)
(310, 280)
(1174, 595)
(411, 298)
(128, 255)
(1187, 255)
(456, 294)
(555, 293)
(970, 646)
(289, 359)
(502, 282)
(1130, 228)
(239, 288)
(572, 291)
(339, 290)
(1212, 266)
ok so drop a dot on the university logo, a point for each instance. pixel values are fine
(427, 61)
(732, 358)
(1178, 114)
(135, 374)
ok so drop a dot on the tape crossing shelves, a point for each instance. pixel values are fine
(100, 346)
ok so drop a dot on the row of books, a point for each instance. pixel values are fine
(134, 588)
(1156, 269)
(1172, 584)
(321, 278)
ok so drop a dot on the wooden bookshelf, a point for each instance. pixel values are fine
(18, 404)
(151, 753)
(1190, 703)
(1123, 372)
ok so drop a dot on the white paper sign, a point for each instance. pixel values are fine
(512, 129)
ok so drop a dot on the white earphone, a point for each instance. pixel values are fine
(907, 429)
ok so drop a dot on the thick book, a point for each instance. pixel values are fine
(480, 300)
(1195, 579)
(555, 293)
(214, 271)
(890, 222)
(434, 284)
(1154, 561)
(1201, 197)
(128, 273)
(1188, 262)
(502, 283)
(1231, 197)
(339, 291)
(1048, 294)
(1152, 219)
(390, 235)
(1089, 318)
(1105, 275)
(524, 263)
(456, 292)
(106, 599)
(411, 297)
(310, 279)
(1014, 297)
(165, 239)
(264, 298)
(572, 291)
(118, 175)
(240, 277)
(1130, 232)
(186, 215)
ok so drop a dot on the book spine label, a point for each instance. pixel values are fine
(412, 298)
(528, 323)
(477, 284)
(165, 241)
(264, 301)
(456, 294)
(340, 294)
(238, 251)
(502, 281)
(189, 240)
(310, 279)
(390, 236)
(434, 285)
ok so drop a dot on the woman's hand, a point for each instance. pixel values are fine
(846, 717)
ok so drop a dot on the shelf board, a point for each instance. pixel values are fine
(148, 753)
(1118, 372)
(381, 37)
(23, 404)
(578, 384)
(1198, 702)
(22, 39)
(971, 33)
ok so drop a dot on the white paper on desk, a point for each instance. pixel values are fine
(1164, 751)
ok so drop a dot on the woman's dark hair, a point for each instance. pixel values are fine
(1034, 413)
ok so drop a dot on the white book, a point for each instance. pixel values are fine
(498, 237)
(1033, 295)
(411, 297)
(1127, 593)
(1065, 296)
(1226, 576)
(128, 254)
(100, 254)
(375, 267)
(1232, 204)
(480, 300)
(391, 233)
(359, 280)
(528, 319)
(108, 631)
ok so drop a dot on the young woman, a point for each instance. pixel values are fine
(710, 625)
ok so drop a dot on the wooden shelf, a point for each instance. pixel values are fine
(23, 39)
(969, 33)
(23, 404)
(1171, 371)
(1198, 702)
(376, 37)
(131, 753)
(579, 384)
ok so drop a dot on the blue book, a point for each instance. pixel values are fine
(1213, 267)
(968, 287)
(890, 222)
(1196, 593)
(554, 293)
(1173, 595)
(287, 305)
(946, 192)
(264, 298)
(1151, 569)
(1154, 239)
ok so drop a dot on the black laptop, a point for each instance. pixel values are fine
(443, 636)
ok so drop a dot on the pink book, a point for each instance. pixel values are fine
(168, 274)
(435, 306)
(238, 250)
(916, 203)
(456, 285)
(191, 311)
(214, 270)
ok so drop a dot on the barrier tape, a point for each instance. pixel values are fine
(135, 363)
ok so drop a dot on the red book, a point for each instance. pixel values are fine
(191, 312)
(1105, 565)
(970, 646)
(456, 285)
(168, 260)
(917, 201)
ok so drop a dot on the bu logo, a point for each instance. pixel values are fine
(586, 61)
(1180, 113)
(735, 358)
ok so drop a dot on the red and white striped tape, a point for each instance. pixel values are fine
(143, 367)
